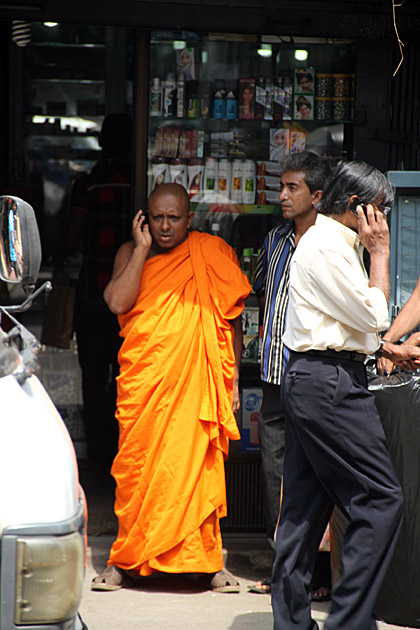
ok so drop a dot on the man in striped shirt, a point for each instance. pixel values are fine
(302, 181)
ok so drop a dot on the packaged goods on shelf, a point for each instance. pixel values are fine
(219, 101)
(248, 182)
(323, 108)
(265, 167)
(250, 413)
(211, 172)
(224, 180)
(187, 63)
(283, 98)
(175, 142)
(304, 80)
(279, 143)
(236, 181)
(169, 96)
(156, 98)
(205, 99)
(297, 141)
(324, 85)
(231, 104)
(247, 98)
(303, 107)
(192, 99)
(268, 182)
(259, 98)
(160, 172)
(342, 85)
(269, 99)
(270, 197)
(228, 144)
(195, 178)
(178, 172)
(180, 96)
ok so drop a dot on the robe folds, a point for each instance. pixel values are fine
(174, 409)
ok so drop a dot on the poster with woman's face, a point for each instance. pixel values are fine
(246, 98)
(304, 107)
(304, 81)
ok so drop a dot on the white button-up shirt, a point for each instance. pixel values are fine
(330, 302)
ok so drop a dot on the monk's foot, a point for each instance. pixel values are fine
(112, 579)
(221, 582)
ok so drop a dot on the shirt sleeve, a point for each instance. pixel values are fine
(261, 270)
(340, 288)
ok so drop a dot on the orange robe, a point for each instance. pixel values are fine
(174, 409)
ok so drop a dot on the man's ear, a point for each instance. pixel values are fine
(352, 203)
(317, 195)
(190, 218)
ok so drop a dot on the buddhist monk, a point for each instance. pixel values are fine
(179, 297)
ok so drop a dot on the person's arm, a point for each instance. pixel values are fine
(407, 356)
(407, 319)
(374, 235)
(122, 290)
(237, 349)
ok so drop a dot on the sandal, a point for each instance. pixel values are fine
(221, 582)
(262, 586)
(109, 580)
(321, 594)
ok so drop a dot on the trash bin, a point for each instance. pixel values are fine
(397, 399)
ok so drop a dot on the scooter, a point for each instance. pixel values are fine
(43, 512)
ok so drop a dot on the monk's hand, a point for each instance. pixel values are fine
(141, 233)
(236, 399)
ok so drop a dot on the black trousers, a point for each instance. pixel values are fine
(271, 436)
(335, 454)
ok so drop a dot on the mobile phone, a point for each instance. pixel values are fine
(145, 214)
(355, 203)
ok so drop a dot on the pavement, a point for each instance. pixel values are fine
(176, 602)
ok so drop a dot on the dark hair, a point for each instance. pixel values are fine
(301, 74)
(315, 168)
(301, 100)
(355, 178)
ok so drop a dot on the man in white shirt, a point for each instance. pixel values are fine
(335, 449)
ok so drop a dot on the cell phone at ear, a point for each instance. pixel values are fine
(145, 214)
(355, 203)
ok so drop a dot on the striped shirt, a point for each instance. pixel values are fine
(272, 279)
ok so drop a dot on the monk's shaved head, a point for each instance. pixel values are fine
(173, 190)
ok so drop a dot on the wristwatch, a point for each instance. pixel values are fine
(378, 353)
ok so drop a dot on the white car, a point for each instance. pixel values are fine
(43, 511)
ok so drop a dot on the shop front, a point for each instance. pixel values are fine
(216, 105)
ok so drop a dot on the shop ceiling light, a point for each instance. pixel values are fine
(50, 24)
(301, 54)
(179, 44)
(265, 50)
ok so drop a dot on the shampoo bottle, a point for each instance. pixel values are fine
(169, 96)
(236, 187)
(248, 182)
(156, 98)
(180, 96)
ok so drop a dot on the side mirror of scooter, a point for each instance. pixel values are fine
(20, 245)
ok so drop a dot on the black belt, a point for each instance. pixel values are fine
(346, 355)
